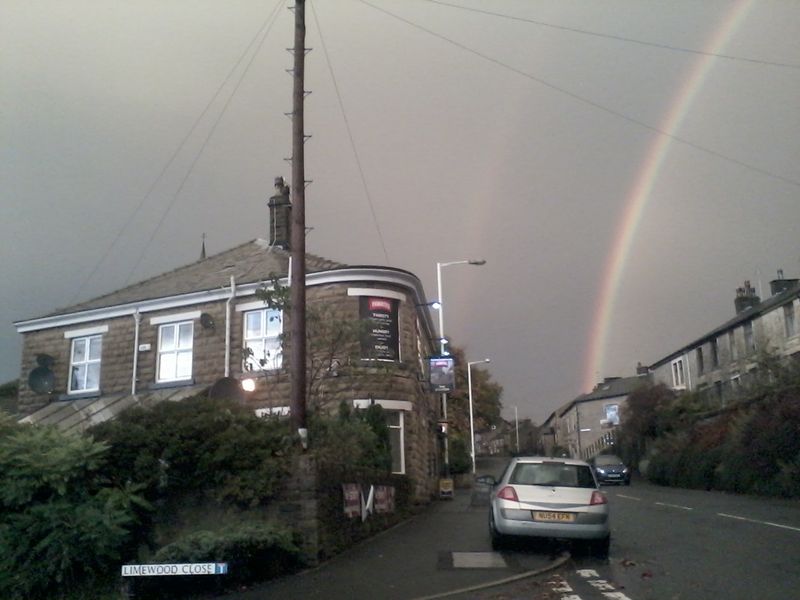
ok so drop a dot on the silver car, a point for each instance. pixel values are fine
(557, 498)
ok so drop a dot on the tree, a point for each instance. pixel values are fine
(646, 415)
(486, 394)
(61, 523)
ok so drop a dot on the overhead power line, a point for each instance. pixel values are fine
(618, 38)
(131, 216)
(352, 139)
(587, 101)
(203, 147)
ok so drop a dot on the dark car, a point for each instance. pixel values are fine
(610, 469)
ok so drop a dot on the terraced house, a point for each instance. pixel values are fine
(726, 358)
(180, 333)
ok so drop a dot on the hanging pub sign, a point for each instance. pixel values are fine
(381, 339)
(443, 373)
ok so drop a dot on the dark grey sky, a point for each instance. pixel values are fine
(512, 131)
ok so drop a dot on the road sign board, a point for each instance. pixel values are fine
(174, 569)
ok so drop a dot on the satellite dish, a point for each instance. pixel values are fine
(227, 388)
(45, 360)
(207, 321)
(41, 380)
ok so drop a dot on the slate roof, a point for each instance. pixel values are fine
(252, 262)
(610, 388)
(787, 295)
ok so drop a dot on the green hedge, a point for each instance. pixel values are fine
(254, 552)
(754, 450)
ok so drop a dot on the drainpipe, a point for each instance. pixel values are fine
(137, 318)
(228, 327)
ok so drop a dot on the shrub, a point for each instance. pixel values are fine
(216, 448)
(355, 439)
(254, 552)
(61, 524)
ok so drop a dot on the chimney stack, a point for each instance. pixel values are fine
(280, 210)
(776, 286)
(746, 298)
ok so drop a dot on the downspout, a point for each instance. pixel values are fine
(137, 318)
(228, 327)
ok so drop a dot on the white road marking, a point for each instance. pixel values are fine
(602, 585)
(615, 596)
(738, 518)
(628, 497)
(586, 573)
(674, 506)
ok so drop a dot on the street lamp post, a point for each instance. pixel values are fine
(443, 342)
(471, 420)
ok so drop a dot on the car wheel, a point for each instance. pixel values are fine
(599, 548)
(497, 538)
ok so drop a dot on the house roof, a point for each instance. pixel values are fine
(612, 387)
(252, 262)
(759, 309)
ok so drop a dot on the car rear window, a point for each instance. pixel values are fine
(552, 474)
(607, 460)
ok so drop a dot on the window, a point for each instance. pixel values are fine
(395, 420)
(714, 354)
(85, 364)
(262, 339)
(788, 320)
(678, 378)
(612, 414)
(749, 340)
(175, 351)
(700, 362)
(732, 344)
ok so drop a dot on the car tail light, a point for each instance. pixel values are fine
(508, 493)
(598, 498)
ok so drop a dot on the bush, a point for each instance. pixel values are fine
(355, 439)
(216, 448)
(254, 552)
(61, 524)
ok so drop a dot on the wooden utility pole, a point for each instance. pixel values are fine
(298, 230)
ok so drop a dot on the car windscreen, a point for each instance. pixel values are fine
(607, 460)
(552, 474)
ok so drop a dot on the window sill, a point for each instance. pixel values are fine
(79, 395)
(171, 384)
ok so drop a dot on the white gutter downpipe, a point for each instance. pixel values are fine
(228, 327)
(137, 318)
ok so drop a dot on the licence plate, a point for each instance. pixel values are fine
(553, 517)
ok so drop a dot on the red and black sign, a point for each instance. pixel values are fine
(381, 340)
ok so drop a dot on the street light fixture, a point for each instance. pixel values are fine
(471, 420)
(443, 341)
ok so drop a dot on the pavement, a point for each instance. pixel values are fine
(442, 550)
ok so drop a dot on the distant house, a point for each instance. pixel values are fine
(721, 361)
(179, 333)
(586, 426)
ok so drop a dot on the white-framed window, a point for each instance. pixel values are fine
(175, 351)
(395, 411)
(678, 374)
(701, 365)
(788, 320)
(715, 353)
(732, 344)
(84, 365)
(749, 338)
(262, 341)
(395, 420)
